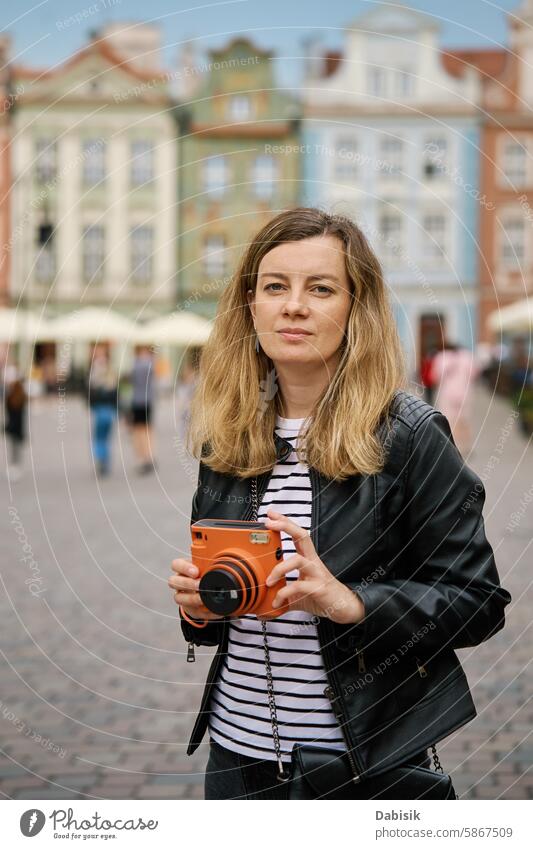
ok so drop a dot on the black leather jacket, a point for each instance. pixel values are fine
(411, 541)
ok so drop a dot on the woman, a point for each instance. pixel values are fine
(103, 402)
(142, 402)
(300, 391)
(15, 426)
(453, 371)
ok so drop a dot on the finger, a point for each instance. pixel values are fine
(300, 536)
(184, 567)
(295, 561)
(178, 582)
(191, 600)
(289, 596)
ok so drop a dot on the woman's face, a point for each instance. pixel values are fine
(304, 287)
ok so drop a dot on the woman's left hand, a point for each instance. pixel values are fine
(315, 590)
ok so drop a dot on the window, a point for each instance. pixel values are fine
(45, 264)
(377, 81)
(515, 163)
(434, 225)
(93, 253)
(142, 247)
(435, 156)
(264, 175)
(513, 242)
(142, 163)
(403, 82)
(346, 159)
(391, 234)
(46, 160)
(216, 175)
(93, 161)
(391, 164)
(240, 107)
(214, 259)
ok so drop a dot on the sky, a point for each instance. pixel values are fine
(46, 32)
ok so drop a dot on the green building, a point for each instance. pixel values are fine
(238, 166)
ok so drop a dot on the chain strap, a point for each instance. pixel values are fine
(282, 775)
(436, 761)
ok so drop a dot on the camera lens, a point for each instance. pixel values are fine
(220, 592)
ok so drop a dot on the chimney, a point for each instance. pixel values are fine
(313, 57)
(138, 43)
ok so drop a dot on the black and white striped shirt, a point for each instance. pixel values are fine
(240, 717)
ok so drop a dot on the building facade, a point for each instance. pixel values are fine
(7, 98)
(239, 164)
(391, 138)
(506, 163)
(93, 171)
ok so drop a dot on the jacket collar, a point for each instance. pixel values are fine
(283, 447)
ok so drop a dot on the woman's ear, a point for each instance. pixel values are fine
(251, 304)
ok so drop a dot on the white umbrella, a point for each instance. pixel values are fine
(93, 324)
(17, 325)
(179, 328)
(517, 317)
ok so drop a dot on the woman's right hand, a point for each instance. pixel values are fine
(185, 583)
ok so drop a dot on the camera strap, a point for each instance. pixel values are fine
(283, 774)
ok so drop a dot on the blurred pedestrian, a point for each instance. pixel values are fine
(15, 424)
(520, 376)
(453, 370)
(142, 402)
(185, 391)
(103, 403)
(426, 375)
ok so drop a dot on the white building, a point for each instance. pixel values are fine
(94, 180)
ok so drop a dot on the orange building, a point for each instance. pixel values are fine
(6, 100)
(506, 166)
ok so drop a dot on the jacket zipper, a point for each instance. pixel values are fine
(422, 671)
(360, 660)
(212, 677)
(330, 691)
(190, 653)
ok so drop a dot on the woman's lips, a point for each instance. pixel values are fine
(293, 335)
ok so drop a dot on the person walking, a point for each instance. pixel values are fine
(185, 391)
(310, 430)
(142, 401)
(103, 403)
(453, 370)
(15, 400)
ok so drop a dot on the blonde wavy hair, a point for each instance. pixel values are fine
(232, 416)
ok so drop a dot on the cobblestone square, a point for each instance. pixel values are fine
(97, 700)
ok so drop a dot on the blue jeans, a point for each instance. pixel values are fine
(103, 419)
(229, 775)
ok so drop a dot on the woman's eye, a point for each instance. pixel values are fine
(323, 289)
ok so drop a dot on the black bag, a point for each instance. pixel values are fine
(319, 773)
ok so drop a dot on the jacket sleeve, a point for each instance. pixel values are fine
(210, 635)
(446, 587)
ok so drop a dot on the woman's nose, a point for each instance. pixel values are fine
(295, 305)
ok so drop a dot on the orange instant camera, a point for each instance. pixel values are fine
(234, 559)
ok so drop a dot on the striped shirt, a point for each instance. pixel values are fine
(240, 716)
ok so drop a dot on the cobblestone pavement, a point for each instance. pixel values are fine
(97, 699)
